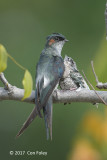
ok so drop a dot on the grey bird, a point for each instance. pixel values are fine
(72, 79)
(49, 70)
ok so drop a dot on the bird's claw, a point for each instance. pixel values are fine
(72, 89)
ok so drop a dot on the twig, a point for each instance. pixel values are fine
(94, 89)
(5, 82)
(96, 78)
(99, 85)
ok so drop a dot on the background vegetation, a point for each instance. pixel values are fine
(24, 25)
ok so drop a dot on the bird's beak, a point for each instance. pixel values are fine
(66, 40)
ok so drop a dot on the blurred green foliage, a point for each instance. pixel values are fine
(23, 28)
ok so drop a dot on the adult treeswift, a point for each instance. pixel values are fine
(49, 70)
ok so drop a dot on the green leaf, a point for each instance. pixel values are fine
(3, 58)
(28, 84)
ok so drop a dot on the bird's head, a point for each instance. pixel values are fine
(70, 62)
(56, 41)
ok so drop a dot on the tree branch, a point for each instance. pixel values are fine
(99, 85)
(59, 96)
(94, 89)
(5, 82)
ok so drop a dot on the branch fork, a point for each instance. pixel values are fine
(99, 85)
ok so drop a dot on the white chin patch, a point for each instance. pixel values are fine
(59, 46)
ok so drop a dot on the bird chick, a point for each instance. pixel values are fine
(72, 79)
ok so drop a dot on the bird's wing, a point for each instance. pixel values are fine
(49, 71)
(76, 77)
(79, 80)
(55, 70)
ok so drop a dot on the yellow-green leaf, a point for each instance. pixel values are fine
(28, 84)
(3, 58)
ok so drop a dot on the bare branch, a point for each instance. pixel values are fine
(17, 94)
(94, 89)
(99, 85)
(94, 72)
(59, 96)
(5, 82)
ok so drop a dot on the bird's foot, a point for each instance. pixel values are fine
(72, 89)
(79, 89)
(66, 103)
(96, 104)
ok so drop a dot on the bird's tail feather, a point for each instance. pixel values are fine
(50, 120)
(47, 110)
(31, 117)
(46, 126)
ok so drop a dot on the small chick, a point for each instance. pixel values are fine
(72, 79)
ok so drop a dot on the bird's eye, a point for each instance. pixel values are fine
(57, 38)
